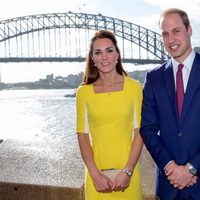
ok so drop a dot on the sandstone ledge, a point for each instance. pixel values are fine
(51, 171)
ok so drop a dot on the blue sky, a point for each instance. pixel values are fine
(141, 12)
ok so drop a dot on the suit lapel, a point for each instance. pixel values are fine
(170, 87)
(191, 86)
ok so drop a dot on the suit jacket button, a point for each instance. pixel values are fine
(180, 134)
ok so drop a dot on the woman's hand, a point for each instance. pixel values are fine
(121, 182)
(102, 183)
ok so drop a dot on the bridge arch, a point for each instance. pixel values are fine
(16, 28)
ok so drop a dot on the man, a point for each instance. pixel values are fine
(170, 125)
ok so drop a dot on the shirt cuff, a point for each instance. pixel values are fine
(168, 164)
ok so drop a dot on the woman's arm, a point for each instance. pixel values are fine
(135, 152)
(122, 181)
(101, 182)
(87, 154)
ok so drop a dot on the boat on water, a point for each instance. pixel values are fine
(70, 95)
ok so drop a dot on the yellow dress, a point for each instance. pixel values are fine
(110, 118)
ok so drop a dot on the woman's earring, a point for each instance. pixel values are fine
(95, 65)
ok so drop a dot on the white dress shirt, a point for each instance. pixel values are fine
(186, 69)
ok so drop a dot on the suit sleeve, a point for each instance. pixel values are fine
(150, 126)
(195, 161)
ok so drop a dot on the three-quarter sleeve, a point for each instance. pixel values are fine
(137, 105)
(81, 112)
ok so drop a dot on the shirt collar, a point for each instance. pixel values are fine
(187, 62)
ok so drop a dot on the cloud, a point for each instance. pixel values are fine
(11, 8)
(192, 7)
(150, 22)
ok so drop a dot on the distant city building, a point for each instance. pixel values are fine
(50, 77)
(59, 82)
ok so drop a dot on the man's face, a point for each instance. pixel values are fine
(176, 37)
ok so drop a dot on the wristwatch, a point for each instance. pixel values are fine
(192, 170)
(128, 172)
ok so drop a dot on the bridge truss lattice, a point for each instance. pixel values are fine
(65, 37)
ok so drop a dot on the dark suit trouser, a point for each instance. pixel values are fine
(183, 196)
(180, 196)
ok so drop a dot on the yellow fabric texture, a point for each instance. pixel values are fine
(110, 118)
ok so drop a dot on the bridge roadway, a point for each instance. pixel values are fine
(78, 59)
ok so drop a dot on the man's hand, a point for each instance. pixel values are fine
(179, 175)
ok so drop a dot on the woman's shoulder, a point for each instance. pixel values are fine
(132, 82)
(83, 88)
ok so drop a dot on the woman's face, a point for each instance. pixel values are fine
(105, 55)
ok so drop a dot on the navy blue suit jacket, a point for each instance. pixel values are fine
(165, 136)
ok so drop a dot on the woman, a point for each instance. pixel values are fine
(108, 113)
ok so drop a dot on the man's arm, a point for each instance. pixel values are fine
(150, 126)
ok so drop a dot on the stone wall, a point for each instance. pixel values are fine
(51, 171)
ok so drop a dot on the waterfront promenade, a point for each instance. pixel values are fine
(51, 171)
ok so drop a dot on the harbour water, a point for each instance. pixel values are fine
(43, 115)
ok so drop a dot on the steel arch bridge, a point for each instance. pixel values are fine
(61, 37)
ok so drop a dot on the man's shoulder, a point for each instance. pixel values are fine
(160, 68)
(197, 55)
